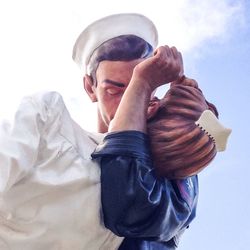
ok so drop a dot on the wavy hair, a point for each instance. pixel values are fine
(181, 148)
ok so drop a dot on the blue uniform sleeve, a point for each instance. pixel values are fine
(135, 202)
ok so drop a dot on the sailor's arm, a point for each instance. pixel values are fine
(164, 67)
(135, 202)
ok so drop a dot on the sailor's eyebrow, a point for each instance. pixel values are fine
(118, 84)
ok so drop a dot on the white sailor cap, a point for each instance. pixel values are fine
(109, 27)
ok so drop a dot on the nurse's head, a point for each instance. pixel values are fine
(180, 147)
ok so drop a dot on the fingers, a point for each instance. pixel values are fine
(171, 60)
(164, 67)
(170, 52)
(175, 53)
(179, 61)
(163, 52)
(181, 74)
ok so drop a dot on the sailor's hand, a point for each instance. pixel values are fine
(163, 67)
(185, 82)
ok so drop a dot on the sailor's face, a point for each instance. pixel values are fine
(112, 78)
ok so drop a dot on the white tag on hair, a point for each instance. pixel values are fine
(209, 123)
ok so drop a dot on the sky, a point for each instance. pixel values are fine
(214, 36)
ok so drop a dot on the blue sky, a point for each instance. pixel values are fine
(223, 213)
(35, 49)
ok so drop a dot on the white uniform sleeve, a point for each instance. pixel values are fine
(19, 142)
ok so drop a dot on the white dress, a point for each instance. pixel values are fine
(49, 186)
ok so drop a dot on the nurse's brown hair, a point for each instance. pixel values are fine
(180, 147)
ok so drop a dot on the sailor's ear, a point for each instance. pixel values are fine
(153, 107)
(89, 88)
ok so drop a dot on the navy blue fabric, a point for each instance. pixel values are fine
(139, 244)
(137, 204)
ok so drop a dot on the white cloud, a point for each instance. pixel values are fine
(206, 20)
(185, 23)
